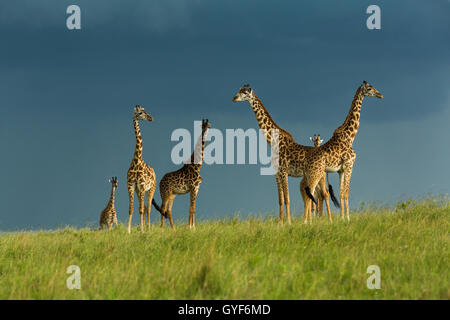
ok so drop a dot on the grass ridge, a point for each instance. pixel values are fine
(240, 259)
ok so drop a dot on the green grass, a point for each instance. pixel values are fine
(240, 259)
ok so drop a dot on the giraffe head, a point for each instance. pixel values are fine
(369, 91)
(114, 182)
(244, 94)
(205, 125)
(316, 140)
(140, 114)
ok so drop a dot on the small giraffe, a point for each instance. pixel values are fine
(317, 194)
(140, 177)
(291, 155)
(184, 180)
(108, 217)
(337, 154)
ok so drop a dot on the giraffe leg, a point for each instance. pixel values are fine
(169, 211)
(325, 195)
(307, 209)
(312, 184)
(348, 174)
(164, 205)
(313, 209)
(142, 209)
(285, 188)
(286, 197)
(306, 200)
(320, 197)
(342, 192)
(346, 207)
(115, 219)
(146, 208)
(150, 194)
(280, 197)
(193, 196)
(130, 211)
(302, 189)
(308, 205)
(320, 200)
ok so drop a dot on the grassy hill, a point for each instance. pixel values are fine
(240, 259)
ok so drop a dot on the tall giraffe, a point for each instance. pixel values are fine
(184, 180)
(108, 217)
(140, 176)
(291, 155)
(337, 154)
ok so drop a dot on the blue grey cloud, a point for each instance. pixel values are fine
(66, 97)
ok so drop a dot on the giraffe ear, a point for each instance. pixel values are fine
(321, 140)
(310, 138)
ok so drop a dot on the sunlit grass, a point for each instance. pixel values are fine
(240, 259)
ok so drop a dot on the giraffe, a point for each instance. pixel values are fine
(291, 155)
(187, 179)
(316, 140)
(337, 154)
(318, 192)
(108, 217)
(140, 176)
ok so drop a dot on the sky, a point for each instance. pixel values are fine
(66, 98)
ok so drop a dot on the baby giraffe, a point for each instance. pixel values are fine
(317, 194)
(184, 180)
(108, 217)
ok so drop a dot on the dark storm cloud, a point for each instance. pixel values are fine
(66, 96)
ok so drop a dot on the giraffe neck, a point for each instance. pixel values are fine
(349, 128)
(111, 198)
(264, 119)
(199, 150)
(137, 131)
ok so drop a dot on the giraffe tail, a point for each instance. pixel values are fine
(308, 193)
(333, 197)
(159, 208)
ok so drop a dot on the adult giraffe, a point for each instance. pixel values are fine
(187, 179)
(291, 155)
(337, 154)
(140, 176)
